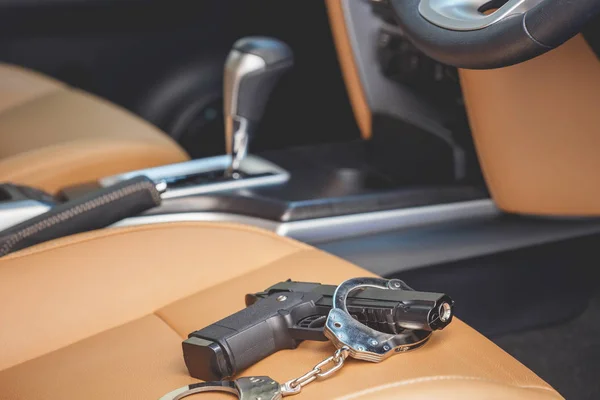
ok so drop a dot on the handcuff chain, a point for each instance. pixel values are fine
(294, 386)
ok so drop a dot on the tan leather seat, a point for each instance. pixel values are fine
(53, 136)
(537, 131)
(102, 315)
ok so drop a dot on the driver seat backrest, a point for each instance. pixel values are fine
(536, 127)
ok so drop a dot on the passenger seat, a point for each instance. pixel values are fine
(53, 135)
(101, 315)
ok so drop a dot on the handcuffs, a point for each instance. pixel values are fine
(350, 337)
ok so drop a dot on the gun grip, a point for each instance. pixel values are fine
(226, 347)
(205, 359)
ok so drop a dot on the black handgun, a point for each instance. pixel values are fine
(289, 312)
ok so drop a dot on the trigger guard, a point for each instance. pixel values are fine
(364, 342)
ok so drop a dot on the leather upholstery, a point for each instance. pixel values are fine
(537, 131)
(101, 315)
(52, 136)
(358, 99)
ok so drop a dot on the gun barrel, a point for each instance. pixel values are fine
(388, 311)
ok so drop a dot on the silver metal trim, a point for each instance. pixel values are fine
(199, 217)
(464, 15)
(245, 388)
(15, 212)
(239, 145)
(326, 229)
(204, 387)
(250, 165)
(237, 66)
(334, 228)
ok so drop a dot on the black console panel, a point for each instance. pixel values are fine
(327, 181)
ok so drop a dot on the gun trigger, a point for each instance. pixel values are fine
(305, 333)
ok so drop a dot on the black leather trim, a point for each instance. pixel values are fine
(508, 42)
(93, 211)
(555, 21)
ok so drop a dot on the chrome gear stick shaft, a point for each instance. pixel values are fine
(252, 69)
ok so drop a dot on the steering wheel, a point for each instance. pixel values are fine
(485, 34)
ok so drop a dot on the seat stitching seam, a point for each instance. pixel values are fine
(89, 205)
(159, 312)
(24, 103)
(156, 311)
(433, 379)
(83, 339)
(133, 147)
(166, 323)
(113, 232)
(258, 266)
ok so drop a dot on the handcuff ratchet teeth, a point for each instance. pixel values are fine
(366, 343)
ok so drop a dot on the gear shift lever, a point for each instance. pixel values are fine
(252, 69)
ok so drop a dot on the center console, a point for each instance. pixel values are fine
(208, 175)
(313, 193)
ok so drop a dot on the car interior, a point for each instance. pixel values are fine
(161, 160)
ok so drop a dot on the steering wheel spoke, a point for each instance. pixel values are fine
(485, 34)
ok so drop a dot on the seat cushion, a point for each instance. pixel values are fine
(52, 136)
(19, 85)
(102, 315)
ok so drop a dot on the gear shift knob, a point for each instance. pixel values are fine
(252, 69)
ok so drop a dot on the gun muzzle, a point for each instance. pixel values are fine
(428, 316)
